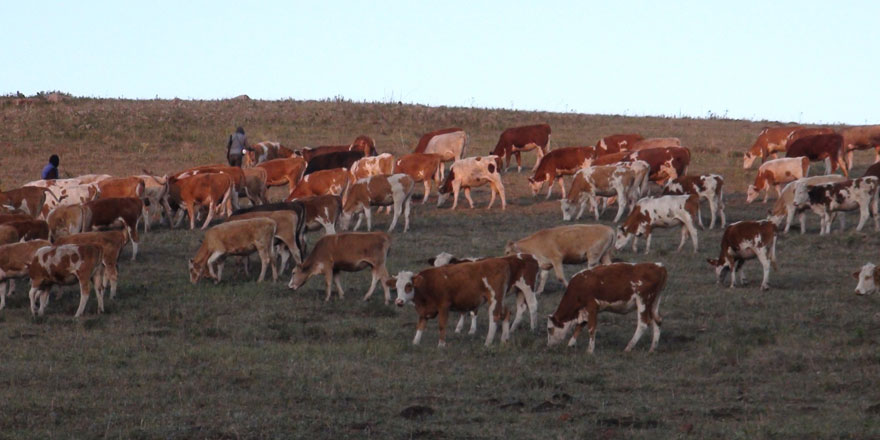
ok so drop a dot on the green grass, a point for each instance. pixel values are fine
(244, 360)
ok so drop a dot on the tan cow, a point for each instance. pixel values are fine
(235, 173)
(373, 166)
(333, 181)
(593, 182)
(425, 168)
(663, 212)
(382, 190)
(450, 146)
(121, 187)
(28, 199)
(8, 234)
(472, 172)
(784, 207)
(349, 252)
(286, 232)
(255, 185)
(571, 244)
(15, 258)
(210, 190)
(771, 140)
(111, 244)
(647, 144)
(242, 237)
(861, 138)
(287, 171)
(156, 193)
(106, 213)
(743, 241)
(30, 229)
(66, 220)
(776, 173)
(63, 265)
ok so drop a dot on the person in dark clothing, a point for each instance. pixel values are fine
(50, 171)
(236, 147)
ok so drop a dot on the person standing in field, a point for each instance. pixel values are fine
(50, 171)
(236, 147)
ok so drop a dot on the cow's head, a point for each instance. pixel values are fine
(250, 158)
(301, 274)
(511, 248)
(721, 268)
(752, 193)
(621, 238)
(748, 160)
(195, 271)
(869, 279)
(568, 209)
(536, 185)
(801, 196)
(403, 282)
(556, 331)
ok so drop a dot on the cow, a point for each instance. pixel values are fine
(619, 288)
(818, 147)
(460, 287)
(156, 194)
(571, 244)
(450, 146)
(69, 195)
(349, 252)
(382, 190)
(284, 171)
(590, 183)
(28, 199)
(677, 158)
(265, 151)
(873, 170)
(66, 220)
(107, 212)
(289, 231)
(242, 238)
(8, 234)
(804, 132)
(111, 244)
(558, 163)
(63, 265)
(664, 212)
(423, 141)
(868, 276)
(775, 173)
(15, 258)
(472, 172)
(861, 138)
(211, 190)
(647, 144)
(362, 144)
(373, 166)
(121, 187)
(828, 198)
(707, 186)
(86, 179)
(616, 143)
(333, 181)
(329, 161)
(236, 173)
(518, 139)
(771, 141)
(30, 229)
(6, 218)
(743, 241)
(255, 185)
(784, 207)
(421, 167)
(318, 212)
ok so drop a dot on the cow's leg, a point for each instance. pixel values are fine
(460, 324)
(44, 302)
(864, 213)
(4, 287)
(692, 231)
(647, 245)
(545, 273)
(266, 260)
(874, 203)
(683, 238)
(492, 191)
(135, 240)
(210, 217)
(467, 195)
(720, 205)
(621, 205)
(713, 209)
(111, 275)
(442, 317)
(84, 289)
(531, 302)
(99, 288)
(734, 265)
(655, 324)
(803, 219)
(561, 185)
(328, 278)
(427, 192)
(518, 162)
(560, 275)
(407, 207)
(368, 213)
(191, 212)
(420, 329)
(32, 295)
(642, 319)
(284, 252)
(493, 317)
(592, 312)
(473, 329)
(520, 310)
(789, 216)
(339, 288)
(849, 158)
(828, 165)
(398, 208)
(765, 264)
(145, 213)
(456, 188)
(379, 274)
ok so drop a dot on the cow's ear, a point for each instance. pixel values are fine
(431, 260)
(391, 282)
(555, 322)
(877, 275)
(856, 274)
(713, 261)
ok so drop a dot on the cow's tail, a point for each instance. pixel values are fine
(49, 192)
(643, 186)
(300, 229)
(660, 286)
(225, 202)
(463, 147)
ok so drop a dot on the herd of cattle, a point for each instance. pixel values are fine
(69, 231)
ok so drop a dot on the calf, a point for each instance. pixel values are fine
(518, 139)
(111, 244)
(827, 198)
(775, 173)
(63, 265)
(743, 241)
(818, 147)
(334, 181)
(66, 220)
(771, 141)
(425, 168)
(242, 237)
(869, 279)
(289, 232)
(15, 258)
(341, 159)
(472, 172)
(601, 181)
(265, 151)
(29, 199)
(381, 190)
(861, 138)
(619, 288)
(616, 143)
(373, 166)
(558, 163)
(707, 186)
(106, 212)
(30, 229)
(664, 212)
(573, 244)
(284, 171)
(784, 207)
(349, 252)
(677, 158)
(211, 190)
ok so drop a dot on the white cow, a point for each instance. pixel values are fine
(472, 172)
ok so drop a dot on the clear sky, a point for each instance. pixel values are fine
(795, 61)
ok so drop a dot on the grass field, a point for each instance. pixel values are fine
(240, 360)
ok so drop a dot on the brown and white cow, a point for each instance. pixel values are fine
(382, 190)
(861, 138)
(265, 151)
(618, 288)
(318, 212)
(30, 229)
(209, 190)
(107, 212)
(349, 252)
(15, 258)
(421, 167)
(677, 158)
(29, 199)
(111, 244)
(784, 207)
(558, 163)
(818, 147)
(771, 140)
(373, 166)
(69, 195)
(647, 144)
(334, 181)
(804, 132)
(472, 172)
(515, 140)
(743, 241)
(8, 234)
(869, 279)
(450, 146)
(86, 179)
(287, 171)
(64, 265)
(570, 244)
(241, 238)
(66, 220)
(664, 212)
(616, 143)
(775, 173)
(707, 186)
(828, 198)
(593, 182)
(156, 194)
(289, 230)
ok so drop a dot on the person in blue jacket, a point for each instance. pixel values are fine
(50, 171)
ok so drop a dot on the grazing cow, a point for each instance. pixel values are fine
(15, 258)
(334, 181)
(771, 141)
(255, 185)
(63, 265)
(289, 231)
(664, 212)
(423, 141)
(111, 244)
(318, 212)
(284, 171)
(107, 212)
(460, 287)
(818, 147)
(156, 193)
(518, 139)
(381, 190)
(450, 146)
(30, 229)
(211, 190)
(707, 186)
(472, 172)
(804, 132)
(28, 199)
(647, 144)
(422, 167)
(329, 161)
(8, 234)
(572, 244)
(775, 173)
(242, 238)
(784, 207)
(66, 220)
(743, 241)
(265, 151)
(828, 198)
(677, 158)
(362, 144)
(69, 195)
(616, 143)
(121, 187)
(868, 276)
(619, 288)
(558, 163)
(349, 252)
(861, 138)
(601, 181)
(373, 166)
(236, 173)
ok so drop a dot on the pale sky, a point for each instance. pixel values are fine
(800, 61)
